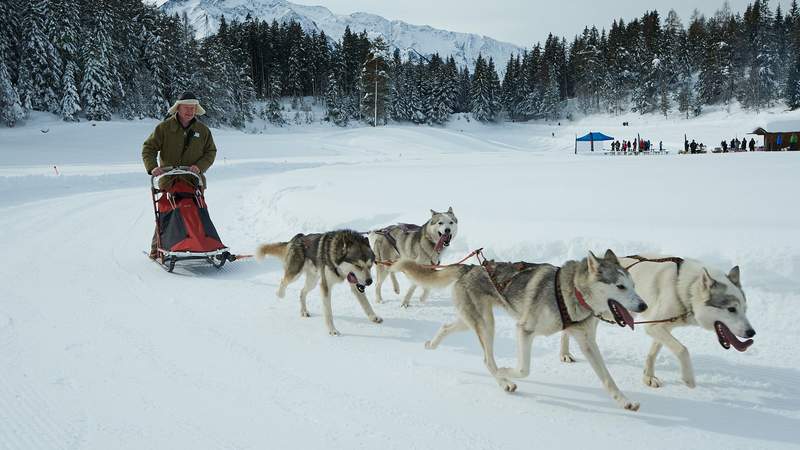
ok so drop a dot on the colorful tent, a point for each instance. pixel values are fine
(592, 137)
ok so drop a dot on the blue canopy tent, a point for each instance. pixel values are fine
(592, 137)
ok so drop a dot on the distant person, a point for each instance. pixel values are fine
(693, 147)
(779, 141)
(685, 146)
(724, 145)
(752, 144)
(744, 144)
(793, 142)
(660, 146)
(733, 143)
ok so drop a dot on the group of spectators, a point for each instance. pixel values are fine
(737, 146)
(635, 146)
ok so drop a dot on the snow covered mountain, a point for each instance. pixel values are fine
(464, 47)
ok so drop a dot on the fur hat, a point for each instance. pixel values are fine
(187, 99)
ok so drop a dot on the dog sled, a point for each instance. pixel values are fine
(184, 231)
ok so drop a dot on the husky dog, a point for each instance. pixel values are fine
(685, 292)
(544, 299)
(422, 244)
(329, 258)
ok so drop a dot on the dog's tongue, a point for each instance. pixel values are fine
(620, 313)
(444, 241)
(351, 277)
(728, 339)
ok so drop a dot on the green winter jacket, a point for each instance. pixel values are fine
(175, 146)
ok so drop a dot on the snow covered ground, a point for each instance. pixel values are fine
(101, 349)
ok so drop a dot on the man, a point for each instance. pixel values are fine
(180, 140)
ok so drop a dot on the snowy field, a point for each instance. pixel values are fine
(102, 349)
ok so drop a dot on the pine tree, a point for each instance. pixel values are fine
(482, 95)
(70, 100)
(418, 99)
(39, 69)
(495, 89)
(273, 111)
(9, 39)
(11, 110)
(464, 88)
(295, 76)
(551, 103)
(647, 64)
(243, 93)
(96, 84)
(684, 98)
(440, 97)
(512, 95)
(375, 83)
(792, 89)
(65, 35)
(333, 102)
(761, 87)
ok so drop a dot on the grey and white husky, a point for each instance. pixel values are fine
(544, 299)
(328, 258)
(423, 244)
(685, 292)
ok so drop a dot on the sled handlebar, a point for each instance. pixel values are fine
(170, 171)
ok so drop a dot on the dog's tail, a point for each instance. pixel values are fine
(428, 278)
(277, 249)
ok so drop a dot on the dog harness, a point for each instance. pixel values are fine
(404, 227)
(566, 320)
(640, 259)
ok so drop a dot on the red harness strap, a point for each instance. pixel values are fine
(582, 301)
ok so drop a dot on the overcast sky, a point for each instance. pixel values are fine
(524, 22)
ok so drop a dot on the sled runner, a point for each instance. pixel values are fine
(184, 231)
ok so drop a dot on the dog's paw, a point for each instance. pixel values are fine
(567, 358)
(281, 293)
(378, 300)
(508, 386)
(334, 333)
(630, 406)
(429, 345)
(376, 319)
(652, 381)
(396, 289)
(304, 314)
(689, 382)
(404, 304)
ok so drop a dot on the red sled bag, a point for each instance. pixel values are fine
(183, 225)
(183, 220)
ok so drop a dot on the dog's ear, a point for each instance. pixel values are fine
(433, 213)
(733, 275)
(450, 210)
(611, 257)
(708, 282)
(594, 264)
